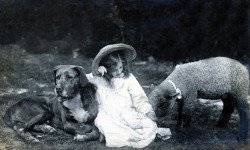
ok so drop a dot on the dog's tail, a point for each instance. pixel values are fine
(7, 117)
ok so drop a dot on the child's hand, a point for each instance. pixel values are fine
(102, 70)
(151, 115)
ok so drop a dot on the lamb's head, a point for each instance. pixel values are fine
(162, 99)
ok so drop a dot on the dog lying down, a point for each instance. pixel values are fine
(73, 109)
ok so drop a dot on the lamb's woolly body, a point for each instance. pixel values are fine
(214, 78)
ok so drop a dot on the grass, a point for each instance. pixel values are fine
(24, 74)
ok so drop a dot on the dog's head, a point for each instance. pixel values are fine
(68, 80)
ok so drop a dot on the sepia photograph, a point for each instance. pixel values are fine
(124, 74)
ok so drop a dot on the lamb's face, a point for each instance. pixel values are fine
(161, 102)
(164, 105)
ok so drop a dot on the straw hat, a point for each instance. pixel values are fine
(129, 54)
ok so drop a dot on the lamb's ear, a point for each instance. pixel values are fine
(83, 78)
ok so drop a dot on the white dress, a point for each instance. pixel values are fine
(122, 108)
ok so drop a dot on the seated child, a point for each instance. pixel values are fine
(125, 117)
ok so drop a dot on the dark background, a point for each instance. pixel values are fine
(174, 30)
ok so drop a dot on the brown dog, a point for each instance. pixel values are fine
(73, 109)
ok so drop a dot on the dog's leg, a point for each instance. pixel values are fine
(44, 128)
(93, 135)
(42, 117)
(26, 135)
(77, 128)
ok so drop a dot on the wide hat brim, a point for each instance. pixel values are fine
(129, 54)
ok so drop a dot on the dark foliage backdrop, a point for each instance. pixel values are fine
(165, 29)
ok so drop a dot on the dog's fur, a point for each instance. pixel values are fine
(73, 109)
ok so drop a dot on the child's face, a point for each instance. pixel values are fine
(116, 72)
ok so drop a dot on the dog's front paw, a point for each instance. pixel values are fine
(31, 139)
(85, 128)
(45, 128)
(50, 129)
(34, 141)
(79, 137)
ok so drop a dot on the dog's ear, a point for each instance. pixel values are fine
(55, 70)
(83, 78)
(152, 87)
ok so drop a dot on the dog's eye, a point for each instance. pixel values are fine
(70, 77)
(58, 77)
(167, 97)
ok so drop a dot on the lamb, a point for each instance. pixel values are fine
(213, 78)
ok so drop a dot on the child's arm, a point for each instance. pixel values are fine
(102, 70)
(139, 98)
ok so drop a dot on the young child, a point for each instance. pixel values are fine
(125, 117)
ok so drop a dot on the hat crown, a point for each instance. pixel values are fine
(129, 54)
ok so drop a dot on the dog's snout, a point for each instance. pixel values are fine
(58, 89)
